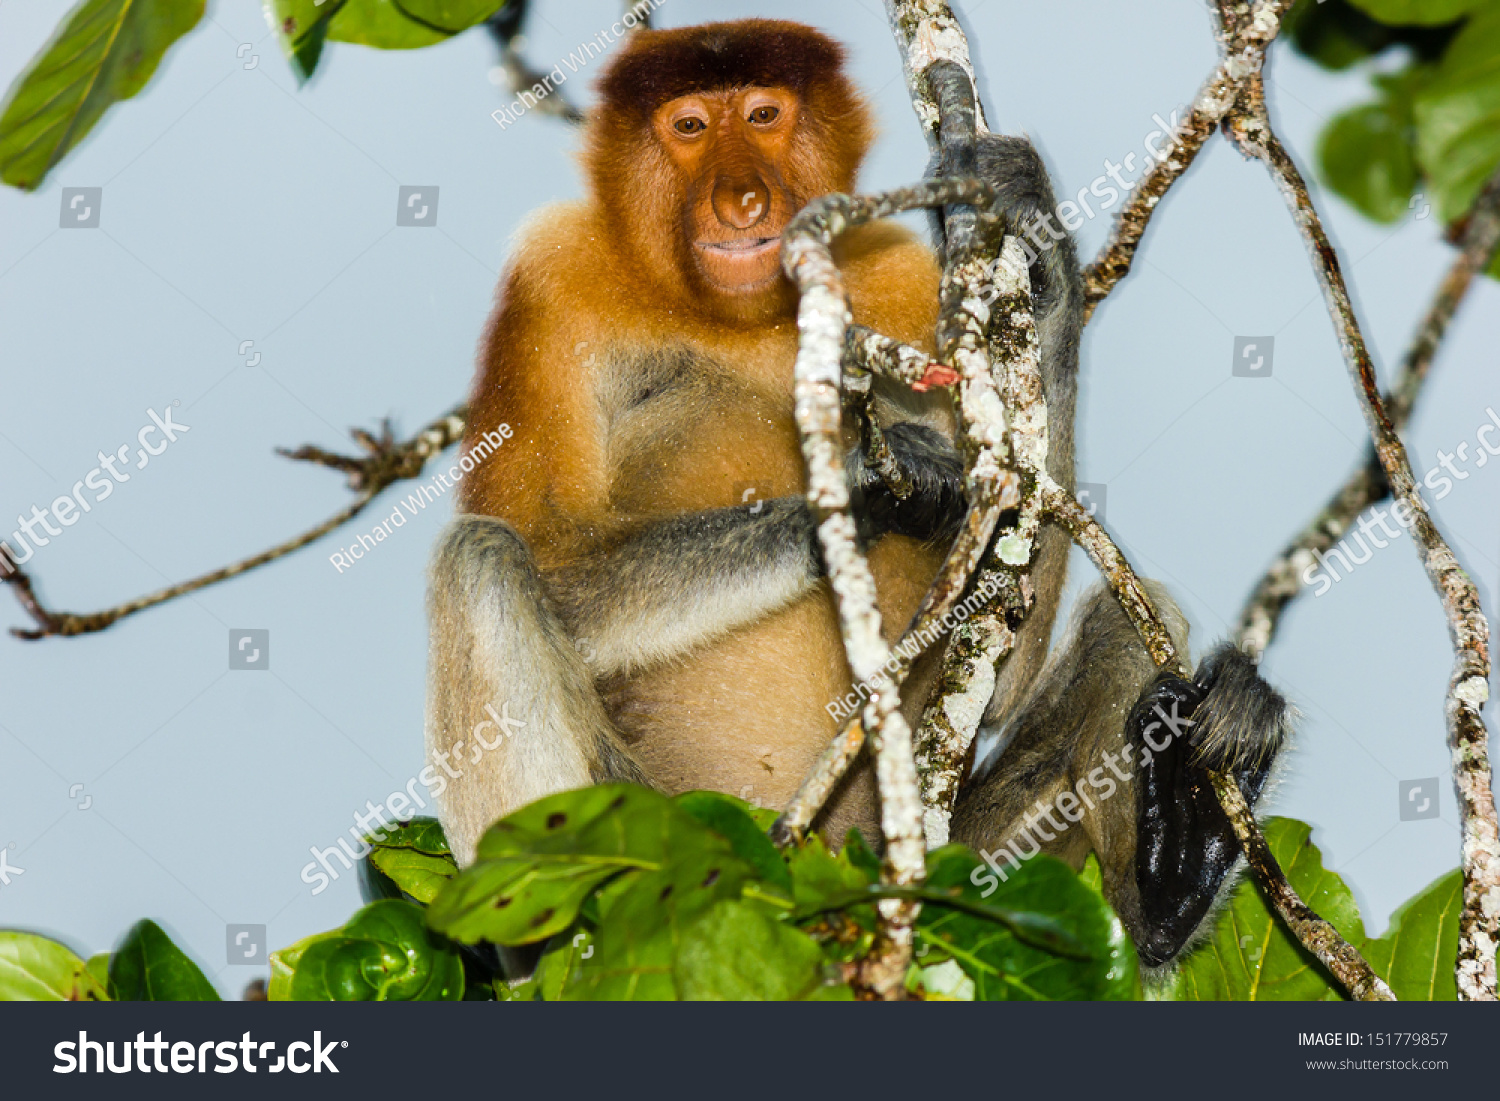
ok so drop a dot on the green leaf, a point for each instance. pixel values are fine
(36, 969)
(1251, 956)
(730, 818)
(535, 868)
(384, 953)
(301, 28)
(413, 858)
(382, 24)
(1046, 900)
(1458, 116)
(642, 922)
(148, 967)
(1418, 953)
(823, 881)
(1337, 35)
(450, 15)
(1428, 13)
(104, 51)
(736, 952)
(1366, 156)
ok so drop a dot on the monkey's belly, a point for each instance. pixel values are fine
(750, 715)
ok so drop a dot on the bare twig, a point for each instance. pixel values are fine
(386, 462)
(1367, 486)
(1244, 56)
(1479, 923)
(505, 27)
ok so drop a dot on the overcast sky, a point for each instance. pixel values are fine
(141, 776)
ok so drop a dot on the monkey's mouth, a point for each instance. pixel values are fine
(741, 265)
(741, 247)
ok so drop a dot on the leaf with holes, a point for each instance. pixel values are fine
(104, 52)
(535, 868)
(37, 969)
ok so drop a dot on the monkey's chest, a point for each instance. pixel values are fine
(694, 437)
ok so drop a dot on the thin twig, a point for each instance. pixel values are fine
(1245, 54)
(1478, 245)
(385, 463)
(1479, 922)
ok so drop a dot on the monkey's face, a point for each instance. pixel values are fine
(731, 150)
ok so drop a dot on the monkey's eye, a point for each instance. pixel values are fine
(763, 116)
(690, 125)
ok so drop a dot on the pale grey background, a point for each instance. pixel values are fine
(237, 207)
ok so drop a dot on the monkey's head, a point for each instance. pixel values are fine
(706, 143)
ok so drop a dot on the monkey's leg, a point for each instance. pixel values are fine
(1107, 756)
(512, 712)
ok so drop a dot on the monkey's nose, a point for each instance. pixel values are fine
(741, 202)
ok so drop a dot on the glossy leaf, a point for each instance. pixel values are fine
(36, 969)
(731, 819)
(642, 923)
(736, 952)
(413, 858)
(1418, 953)
(382, 24)
(104, 52)
(1251, 956)
(535, 868)
(450, 15)
(148, 967)
(1458, 116)
(384, 953)
(1046, 893)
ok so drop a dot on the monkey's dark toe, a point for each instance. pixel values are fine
(936, 506)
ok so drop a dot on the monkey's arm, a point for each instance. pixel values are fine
(664, 588)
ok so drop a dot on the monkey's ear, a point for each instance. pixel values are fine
(1242, 721)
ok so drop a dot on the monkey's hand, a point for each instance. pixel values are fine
(1227, 717)
(936, 506)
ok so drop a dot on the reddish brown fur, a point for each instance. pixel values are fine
(594, 288)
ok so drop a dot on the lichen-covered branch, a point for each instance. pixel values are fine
(1478, 247)
(1245, 53)
(1479, 922)
(384, 463)
(823, 319)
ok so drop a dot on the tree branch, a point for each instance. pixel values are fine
(1479, 923)
(385, 462)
